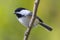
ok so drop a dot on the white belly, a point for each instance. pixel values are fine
(25, 21)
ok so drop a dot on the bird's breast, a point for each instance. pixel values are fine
(25, 21)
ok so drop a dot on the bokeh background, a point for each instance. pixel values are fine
(11, 29)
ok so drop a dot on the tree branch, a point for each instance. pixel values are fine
(36, 3)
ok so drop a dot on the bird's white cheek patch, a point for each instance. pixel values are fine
(24, 12)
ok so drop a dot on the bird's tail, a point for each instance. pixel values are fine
(46, 26)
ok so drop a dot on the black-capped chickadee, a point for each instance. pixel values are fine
(24, 16)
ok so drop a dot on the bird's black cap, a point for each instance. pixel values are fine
(19, 9)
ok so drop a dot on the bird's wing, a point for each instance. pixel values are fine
(30, 15)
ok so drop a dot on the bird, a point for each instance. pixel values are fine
(24, 15)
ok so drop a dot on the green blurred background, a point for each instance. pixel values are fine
(11, 29)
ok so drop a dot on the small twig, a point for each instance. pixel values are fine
(36, 3)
